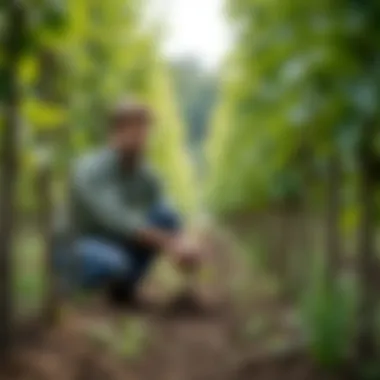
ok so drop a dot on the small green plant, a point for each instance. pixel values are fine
(132, 339)
(28, 265)
(100, 334)
(328, 312)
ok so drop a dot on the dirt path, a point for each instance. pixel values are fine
(227, 341)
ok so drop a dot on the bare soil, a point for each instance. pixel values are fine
(186, 337)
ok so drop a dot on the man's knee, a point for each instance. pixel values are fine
(99, 260)
(165, 218)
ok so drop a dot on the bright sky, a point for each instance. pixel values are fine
(194, 27)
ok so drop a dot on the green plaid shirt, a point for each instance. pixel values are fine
(109, 200)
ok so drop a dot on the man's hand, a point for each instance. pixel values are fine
(155, 238)
(184, 250)
(186, 253)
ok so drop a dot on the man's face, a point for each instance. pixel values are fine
(129, 135)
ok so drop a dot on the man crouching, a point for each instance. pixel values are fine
(122, 222)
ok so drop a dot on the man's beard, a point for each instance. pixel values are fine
(131, 158)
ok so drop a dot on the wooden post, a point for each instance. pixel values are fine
(14, 19)
(45, 216)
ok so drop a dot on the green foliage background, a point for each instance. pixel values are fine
(300, 87)
(78, 57)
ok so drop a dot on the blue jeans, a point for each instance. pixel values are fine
(100, 260)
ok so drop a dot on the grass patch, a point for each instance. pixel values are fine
(126, 339)
(28, 279)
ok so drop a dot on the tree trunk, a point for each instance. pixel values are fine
(50, 93)
(333, 234)
(9, 166)
(367, 263)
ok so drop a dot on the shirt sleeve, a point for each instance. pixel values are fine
(163, 213)
(103, 202)
(159, 193)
